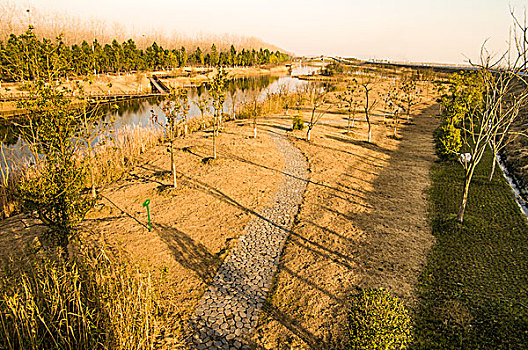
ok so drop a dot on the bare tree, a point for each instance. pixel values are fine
(316, 99)
(504, 91)
(350, 100)
(408, 95)
(369, 104)
(233, 101)
(176, 109)
(521, 39)
(203, 103)
(255, 108)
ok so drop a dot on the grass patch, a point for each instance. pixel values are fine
(474, 290)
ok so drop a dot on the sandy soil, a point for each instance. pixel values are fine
(362, 224)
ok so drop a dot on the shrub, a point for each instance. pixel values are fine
(447, 140)
(298, 122)
(377, 320)
(80, 303)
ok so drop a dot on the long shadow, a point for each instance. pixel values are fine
(364, 158)
(243, 160)
(124, 211)
(191, 255)
(371, 253)
(327, 253)
(364, 144)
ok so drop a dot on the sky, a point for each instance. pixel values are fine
(443, 31)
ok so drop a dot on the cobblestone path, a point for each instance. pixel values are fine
(229, 310)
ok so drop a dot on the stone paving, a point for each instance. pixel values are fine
(229, 310)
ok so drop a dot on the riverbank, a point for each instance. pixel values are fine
(137, 84)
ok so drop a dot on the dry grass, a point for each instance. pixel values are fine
(87, 302)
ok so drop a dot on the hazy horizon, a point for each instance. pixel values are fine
(446, 31)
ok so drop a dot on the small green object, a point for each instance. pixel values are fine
(146, 204)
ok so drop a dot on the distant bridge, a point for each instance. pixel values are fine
(158, 86)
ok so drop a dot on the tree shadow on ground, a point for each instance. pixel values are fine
(191, 255)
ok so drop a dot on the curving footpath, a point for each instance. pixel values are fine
(229, 310)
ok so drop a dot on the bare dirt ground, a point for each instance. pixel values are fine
(363, 223)
(195, 225)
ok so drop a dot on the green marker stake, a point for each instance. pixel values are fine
(146, 204)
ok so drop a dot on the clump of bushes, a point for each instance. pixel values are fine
(377, 320)
(297, 122)
(447, 141)
(332, 69)
(86, 302)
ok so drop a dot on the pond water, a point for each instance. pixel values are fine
(137, 112)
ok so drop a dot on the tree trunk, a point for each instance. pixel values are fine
(214, 138)
(255, 131)
(185, 129)
(462, 208)
(369, 132)
(173, 165)
(309, 134)
(493, 167)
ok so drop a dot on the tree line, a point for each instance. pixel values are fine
(22, 56)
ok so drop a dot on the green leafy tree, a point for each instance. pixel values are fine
(217, 90)
(54, 188)
(213, 61)
(447, 141)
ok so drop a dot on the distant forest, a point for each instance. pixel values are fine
(23, 57)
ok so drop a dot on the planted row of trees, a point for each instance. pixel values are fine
(479, 108)
(21, 57)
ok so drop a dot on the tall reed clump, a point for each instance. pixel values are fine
(118, 152)
(272, 103)
(86, 302)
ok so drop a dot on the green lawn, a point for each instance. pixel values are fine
(474, 289)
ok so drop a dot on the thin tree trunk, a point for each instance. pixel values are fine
(173, 164)
(493, 167)
(467, 182)
(214, 137)
(309, 134)
(462, 208)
